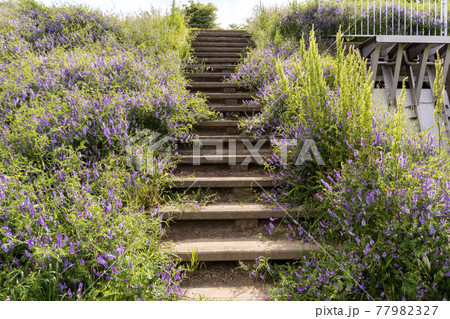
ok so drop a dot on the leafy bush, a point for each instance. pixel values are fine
(201, 16)
(80, 219)
(163, 33)
(320, 95)
(381, 195)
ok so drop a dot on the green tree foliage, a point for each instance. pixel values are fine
(200, 15)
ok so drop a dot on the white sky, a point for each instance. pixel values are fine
(230, 11)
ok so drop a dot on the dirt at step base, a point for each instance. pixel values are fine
(224, 281)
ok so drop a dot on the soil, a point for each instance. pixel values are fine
(222, 274)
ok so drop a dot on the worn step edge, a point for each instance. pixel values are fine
(212, 84)
(264, 151)
(218, 54)
(220, 60)
(227, 123)
(216, 31)
(237, 96)
(208, 67)
(221, 182)
(208, 75)
(225, 138)
(204, 49)
(240, 249)
(236, 108)
(209, 44)
(224, 212)
(242, 293)
(224, 159)
(224, 40)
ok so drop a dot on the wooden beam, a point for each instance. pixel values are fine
(374, 62)
(423, 59)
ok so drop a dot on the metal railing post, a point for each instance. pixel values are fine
(445, 11)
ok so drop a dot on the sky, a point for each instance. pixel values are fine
(229, 11)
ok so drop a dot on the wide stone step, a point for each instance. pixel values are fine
(222, 39)
(207, 44)
(265, 151)
(238, 159)
(231, 96)
(202, 49)
(225, 127)
(220, 60)
(208, 76)
(211, 124)
(218, 54)
(212, 85)
(224, 138)
(224, 293)
(223, 212)
(221, 182)
(236, 108)
(240, 249)
(221, 33)
(222, 67)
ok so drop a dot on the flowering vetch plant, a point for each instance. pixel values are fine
(77, 221)
(380, 203)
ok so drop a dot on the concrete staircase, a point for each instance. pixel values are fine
(224, 233)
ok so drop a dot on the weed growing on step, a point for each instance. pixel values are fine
(193, 200)
(77, 222)
(382, 196)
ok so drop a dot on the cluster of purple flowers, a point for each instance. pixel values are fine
(76, 220)
(31, 26)
(357, 19)
(383, 200)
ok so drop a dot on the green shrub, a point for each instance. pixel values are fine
(201, 16)
(381, 195)
(79, 212)
(163, 33)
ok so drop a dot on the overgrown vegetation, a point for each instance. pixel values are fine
(380, 194)
(79, 218)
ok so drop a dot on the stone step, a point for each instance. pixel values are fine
(229, 96)
(243, 249)
(208, 76)
(222, 39)
(221, 33)
(212, 85)
(225, 127)
(224, 293)
(237, 159)
(236, 108)
(225, 123)
(265, 151)
(210, 143)
(208, 44)
(214, 60)
(224, 67)
(203, 49)
(221, 182)
(218, 54)
(225, 139)
(223, 212)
